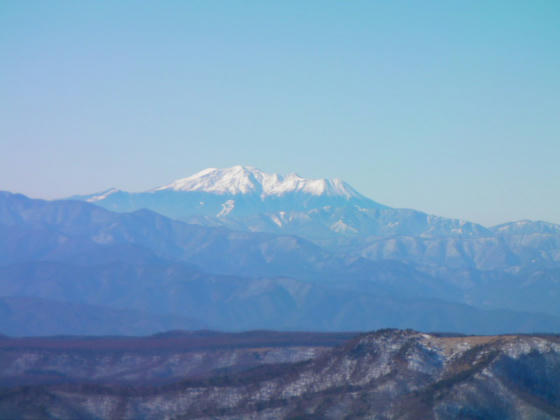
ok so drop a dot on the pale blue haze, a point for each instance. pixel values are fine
(448, 107)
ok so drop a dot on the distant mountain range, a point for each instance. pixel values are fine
(470, 279)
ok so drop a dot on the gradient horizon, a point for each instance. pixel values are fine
(452, 109)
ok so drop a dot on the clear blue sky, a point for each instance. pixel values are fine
(451, 107)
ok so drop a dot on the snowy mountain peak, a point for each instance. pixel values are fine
(249, 180)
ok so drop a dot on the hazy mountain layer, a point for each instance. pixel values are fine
(77, 252)
(238, 303)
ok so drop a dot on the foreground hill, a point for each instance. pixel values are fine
(161, 358)
(387, 374)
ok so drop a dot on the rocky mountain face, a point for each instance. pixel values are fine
(386, 374)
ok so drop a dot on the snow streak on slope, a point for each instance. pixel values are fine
(102, 195)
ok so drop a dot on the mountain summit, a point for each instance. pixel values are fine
(249, 180)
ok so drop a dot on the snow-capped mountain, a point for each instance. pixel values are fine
(237, 192)
(249, 180)
(246, 198)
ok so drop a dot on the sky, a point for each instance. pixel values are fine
(450, 107)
